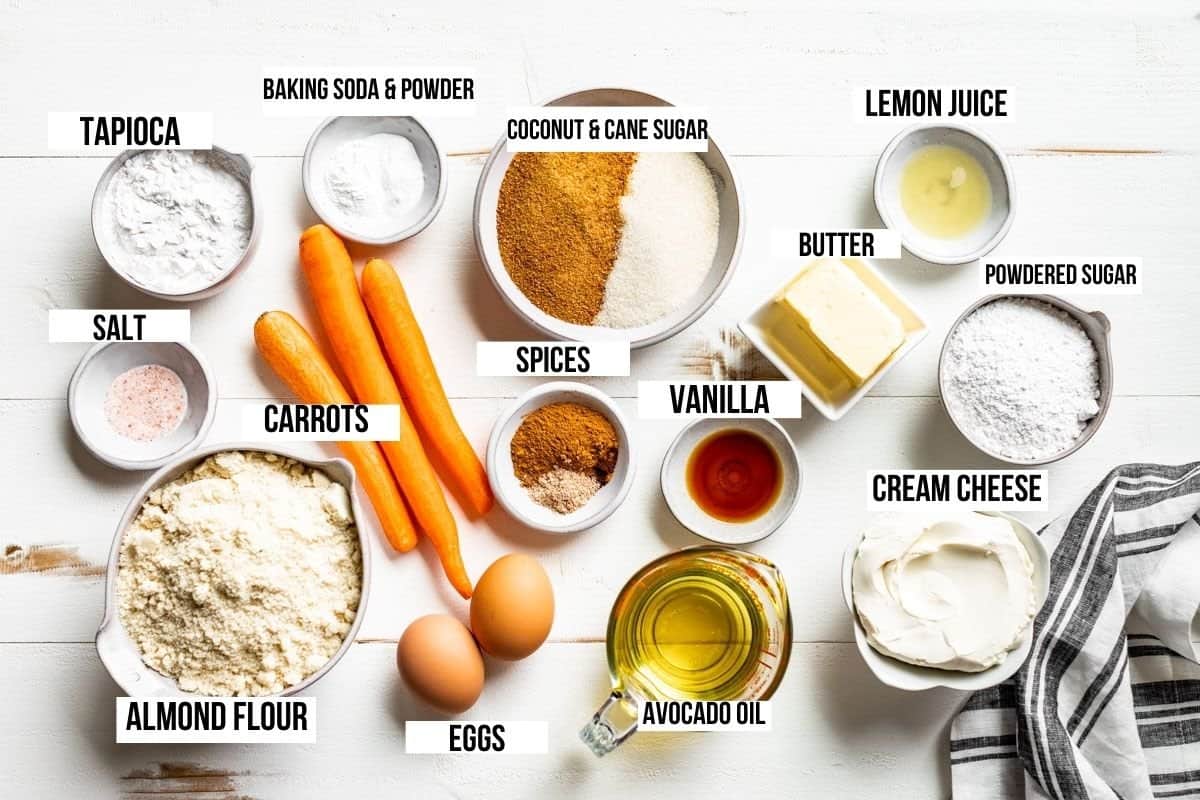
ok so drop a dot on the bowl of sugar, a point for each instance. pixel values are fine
(374, 180)
(629, 247)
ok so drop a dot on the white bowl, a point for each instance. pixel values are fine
(729, 238)
(975, 243)
(914, 678)
(120, 654)
(673, 479)
(799, 358)
(334, 131)
(242, 167)
(102, 364)
(515, 498)
(1097, 327)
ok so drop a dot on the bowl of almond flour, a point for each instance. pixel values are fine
(235, 571)
(630, 247)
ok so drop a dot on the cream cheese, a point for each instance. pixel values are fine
(951, 590)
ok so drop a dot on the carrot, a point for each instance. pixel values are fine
(331, 280)
(293, 355)
(413, 367)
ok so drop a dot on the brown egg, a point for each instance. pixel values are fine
(513, 607)
(441, 663)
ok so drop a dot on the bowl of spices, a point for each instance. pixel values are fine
(947, 189)
(375, 180)
(560, 459)
(621, 246)
(137, 405)
(731, 481)
(1027, 380)
(176, 224)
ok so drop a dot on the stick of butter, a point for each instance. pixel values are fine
(849, 321)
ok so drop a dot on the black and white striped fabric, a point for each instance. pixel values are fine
(1108, 703)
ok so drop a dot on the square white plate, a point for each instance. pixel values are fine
(799, 357)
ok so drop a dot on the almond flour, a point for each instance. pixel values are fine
(241, 576)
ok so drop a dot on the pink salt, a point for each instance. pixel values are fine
(146, 403)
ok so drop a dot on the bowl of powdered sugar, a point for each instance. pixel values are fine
(1027, 380)
(630, 247)
(176, 224)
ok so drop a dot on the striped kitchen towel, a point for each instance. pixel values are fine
(1108, 703)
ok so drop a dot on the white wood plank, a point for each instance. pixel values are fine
(1106, 206)
(837, 733)
(588, 569)
(778, 77)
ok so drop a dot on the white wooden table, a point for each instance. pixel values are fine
(1105, 143)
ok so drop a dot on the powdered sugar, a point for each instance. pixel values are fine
(1021, 378)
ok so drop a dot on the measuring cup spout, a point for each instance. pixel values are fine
(611, 725)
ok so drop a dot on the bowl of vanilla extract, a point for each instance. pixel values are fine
(732, 481)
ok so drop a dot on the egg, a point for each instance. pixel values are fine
(512, 608)
(441, 663)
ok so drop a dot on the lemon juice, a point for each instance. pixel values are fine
(944, 191)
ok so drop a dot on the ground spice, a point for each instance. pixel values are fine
(564, 438)
(564, 491)
(558, 220)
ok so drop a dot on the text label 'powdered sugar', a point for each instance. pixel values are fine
(607, 129)
(787, 243)
(675, 716)
(506, 359)
(449, 736)
(727, 399)
(367, 91)
(119, 325)
(91, 131)
(1044, 276)
(998, 490)
(217, 720)
(319, 422)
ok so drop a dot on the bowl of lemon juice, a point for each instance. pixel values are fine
(948, 191)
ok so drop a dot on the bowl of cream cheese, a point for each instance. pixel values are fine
(945, 597)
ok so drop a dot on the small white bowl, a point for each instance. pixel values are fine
(336, 130)
(975, 243)
(1097, 327)
(800, 358)
(102, 364)
(120, 654)
(242, 167)
(515, 498)
(729, 238)
(689, 514)
(914, 678)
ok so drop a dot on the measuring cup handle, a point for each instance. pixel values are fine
(604, 733)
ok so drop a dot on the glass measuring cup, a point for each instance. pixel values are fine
(703, 623)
